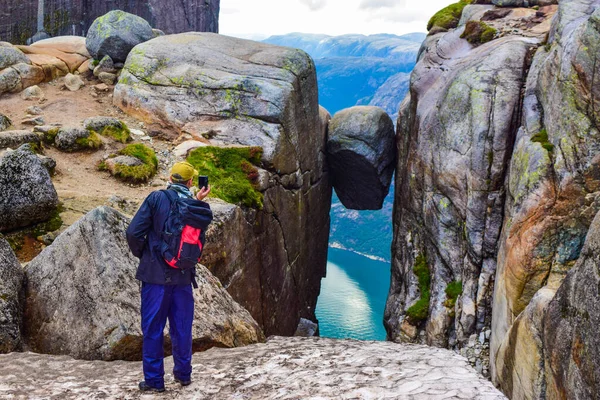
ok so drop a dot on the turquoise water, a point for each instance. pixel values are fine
(353, 297)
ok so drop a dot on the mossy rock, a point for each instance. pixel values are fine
(232, 173)
(542, 138)
(92, 142)
(477, 32)
(76, 139)
(419, 311)
(453, 290)
(448, 17)
(108, 126)
(133, 172)
(50, 135)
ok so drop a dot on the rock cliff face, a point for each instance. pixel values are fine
(554, 186)
(455, 135)
(250, 94)
(497, 186)
(570, 328)
(19, 21)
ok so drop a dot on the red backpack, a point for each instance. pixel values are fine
(184, 234)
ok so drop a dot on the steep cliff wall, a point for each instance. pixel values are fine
(18, 19)
(553, 188)
(456, 131)
(498, 184)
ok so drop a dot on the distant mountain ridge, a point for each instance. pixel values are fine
(358, 69)
(381, 45)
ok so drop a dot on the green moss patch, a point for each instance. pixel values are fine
(135, 173)
(418, 312)
(49, 136)
(232, 173)
(90, 142)
(120, 133)
(477, 32)
(449, 17)
(542, 138)
(453, 290)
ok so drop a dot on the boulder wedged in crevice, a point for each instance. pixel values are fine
(361, 155)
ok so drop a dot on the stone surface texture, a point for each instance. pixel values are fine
(570, 335)
(12, 279)
(361, 153)
(456, 138)
(74, 17)
(83, 299)
(28, 195)
(553, 190)
(497, 186)
(43, 61)
(247, 93)
(115, 34)
(14, 139)
(283, 368)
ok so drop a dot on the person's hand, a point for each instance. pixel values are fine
(203, 192)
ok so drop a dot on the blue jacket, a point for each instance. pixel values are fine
(144, 237)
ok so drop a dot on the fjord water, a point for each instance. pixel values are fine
(353, 296)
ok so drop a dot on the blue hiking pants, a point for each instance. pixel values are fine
(159, 303)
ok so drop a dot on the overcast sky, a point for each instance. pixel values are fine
(258, 19)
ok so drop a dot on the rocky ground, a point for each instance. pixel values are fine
(283, 368)
(79, 184)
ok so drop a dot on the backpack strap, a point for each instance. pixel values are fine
(171, 195)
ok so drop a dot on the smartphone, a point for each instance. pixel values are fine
(202, 181)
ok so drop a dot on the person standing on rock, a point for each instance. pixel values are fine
(167, 235)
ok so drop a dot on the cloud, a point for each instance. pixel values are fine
(314, 5)
(376, 4)
(395, 16)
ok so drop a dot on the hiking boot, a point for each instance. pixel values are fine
(184, 382)
(144, 387)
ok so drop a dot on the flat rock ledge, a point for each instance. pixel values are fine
(282, 368)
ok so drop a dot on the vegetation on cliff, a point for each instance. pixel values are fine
(453, 290)
(232, 172)
(478, 32)
(449, 17)
(542, 138)
(418, 312)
